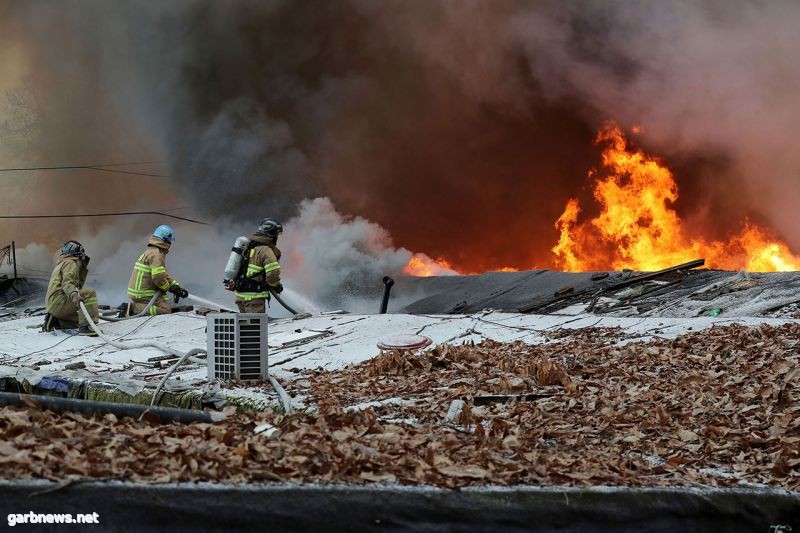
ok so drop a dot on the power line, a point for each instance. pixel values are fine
(100, 168)
(63, 167)
(120, 214)
(48, 348)
(127, 172)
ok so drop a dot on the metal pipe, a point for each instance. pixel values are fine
(89, 407)
(14, 258)
(387, 288)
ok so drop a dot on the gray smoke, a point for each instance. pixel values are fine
(340, 260)
(335, 261)
(459, 126)
(715, 77)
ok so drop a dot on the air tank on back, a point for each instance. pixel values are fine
(235, 259)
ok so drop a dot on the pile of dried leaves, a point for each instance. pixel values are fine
(714, 407)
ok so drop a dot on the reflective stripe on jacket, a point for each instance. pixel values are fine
(67, 278)
(262, 266)
(150, 271)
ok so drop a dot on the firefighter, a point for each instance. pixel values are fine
(65, 292)
(260, 271)
(150, 276)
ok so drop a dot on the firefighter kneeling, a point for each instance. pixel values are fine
(259, 271)
(150, 276)
(65, 292)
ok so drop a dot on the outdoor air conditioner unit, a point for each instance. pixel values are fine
(237, 346)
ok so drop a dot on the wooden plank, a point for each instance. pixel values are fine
(653, 275)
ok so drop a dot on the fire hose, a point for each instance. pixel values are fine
(137, 315)
(182, 357)
(152, 301)
(208, 303)
(282, 302)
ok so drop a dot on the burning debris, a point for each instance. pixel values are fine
(639, 229)
(423, 266)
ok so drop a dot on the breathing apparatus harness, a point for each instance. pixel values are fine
(236, 268)
(244, 284)
(235, 278)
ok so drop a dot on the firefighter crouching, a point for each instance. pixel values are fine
(65, 292)
(150, 276)
(260, 271)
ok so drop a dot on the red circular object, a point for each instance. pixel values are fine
(404, 342)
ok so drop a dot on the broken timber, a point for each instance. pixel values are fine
(568, 293)
(564, 293)
(503, 398)
(655, 275)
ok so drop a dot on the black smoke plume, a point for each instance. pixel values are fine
(460, 126)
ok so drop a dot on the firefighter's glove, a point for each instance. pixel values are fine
(76, 298)
(277, 289)
(179, 291)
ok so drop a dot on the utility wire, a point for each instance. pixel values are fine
(128, 213)
(48, 348)
(101, 168)
(68, 167)
(127, 172)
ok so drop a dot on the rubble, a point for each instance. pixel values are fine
(582, 395)
(679, 291)
(326, 341)
(711, 408)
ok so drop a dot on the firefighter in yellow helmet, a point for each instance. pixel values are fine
(150, 276)
(260, 272)
(65, 292)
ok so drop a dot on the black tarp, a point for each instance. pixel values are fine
(544, 291)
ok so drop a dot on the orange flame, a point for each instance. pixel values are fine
(637, 227)
(423, 266)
